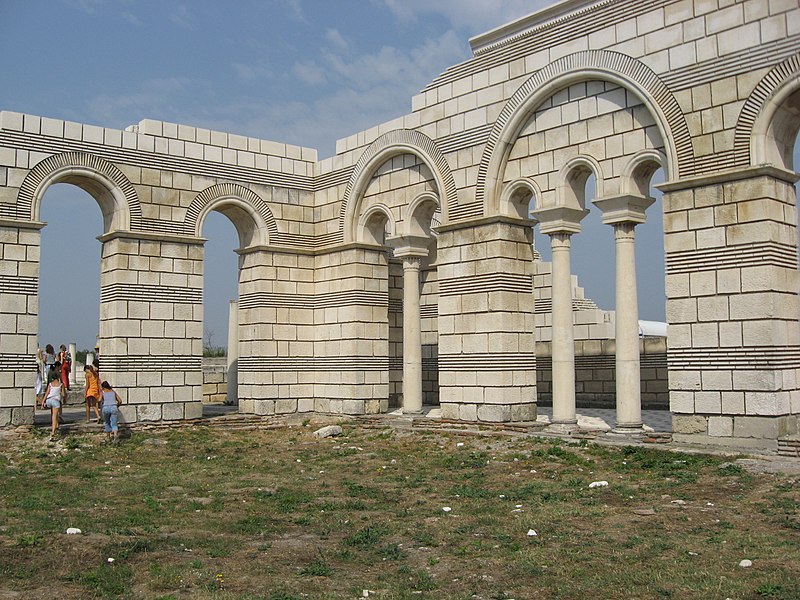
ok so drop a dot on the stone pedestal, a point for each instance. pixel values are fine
(487, 363)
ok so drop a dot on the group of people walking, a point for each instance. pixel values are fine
(99, 395)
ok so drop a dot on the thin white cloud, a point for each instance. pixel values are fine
(474, 16)
(182, 17)
(309, 72)
(336, 39)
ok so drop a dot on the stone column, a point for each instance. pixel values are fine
(73, 376)
(623, 213)
(560, 224)
(411, 249)
(233, 353)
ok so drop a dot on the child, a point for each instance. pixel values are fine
(92, 391)
(110, 403)
(52, 400)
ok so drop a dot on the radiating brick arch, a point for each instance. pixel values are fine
(387, 146)
(759, 108)
(217, 196)
(583, 66)
(121, 209)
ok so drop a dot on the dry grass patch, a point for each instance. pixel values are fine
(281, 515)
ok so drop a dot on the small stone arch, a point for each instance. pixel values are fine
(375, 225)
(756, 140)
(582, 66)
(420, 214)
(572, 181)
(639, 170)
(516, 196)
(113, 191)
(248, 212)
(389, 145)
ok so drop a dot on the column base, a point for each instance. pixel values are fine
(564, 427)
(628, 429)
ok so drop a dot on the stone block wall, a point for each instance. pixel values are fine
(595, 381)
(215, 380)
(19, 276)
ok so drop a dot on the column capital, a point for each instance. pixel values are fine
(626, 208)
(559, 219)
(409, 245)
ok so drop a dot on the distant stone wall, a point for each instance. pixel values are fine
(215, 380)
(594, 373)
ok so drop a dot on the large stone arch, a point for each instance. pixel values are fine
(752, 140)
(393, 143)
(605, 65)
(248, 212)
(107, 185)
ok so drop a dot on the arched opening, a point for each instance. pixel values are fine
(69, 280)
(226, 228)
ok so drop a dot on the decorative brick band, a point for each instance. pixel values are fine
(333, 179)
(308, 301)
(17, 362)
(16, 284)
(464, 139)
(753, 358)
(491, 282)
(428, 311)
(487, 362)
(545, 305)
(137, 292)
(312, 363)
(163, 363)
(732, 257)
(605, 361)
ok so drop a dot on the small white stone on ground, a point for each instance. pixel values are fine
(328, 431)
(532, 533)
(73, 531)
(596, 484)
(459, 444)
(746, 563)
(679, 502)
(446, 509)
(110, 559)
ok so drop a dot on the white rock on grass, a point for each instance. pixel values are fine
(328, 431)
(73, 531)
(746, 563)
(446, 509)
(532, 533)
(596, 484)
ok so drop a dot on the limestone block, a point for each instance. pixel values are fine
(5, 417)
(468, 412)
(683, 402)
(247, 406)
(495, 413)
(264, 407)
(193, 410)
(756, 427)
(285, 406)
(689, 424)
(765, 381)
(720, 426)
(128, 413)
(305, 404)
(708, 402)
(766, 403)
(372, 407)
(523, 412)
(172, 411)
(148, 412)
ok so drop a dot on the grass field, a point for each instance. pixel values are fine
(280, 515)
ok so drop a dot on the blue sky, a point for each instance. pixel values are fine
(298, 71)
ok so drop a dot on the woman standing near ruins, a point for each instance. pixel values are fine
(52, 400)
(66, 366)
(92, 392)
(110, 403)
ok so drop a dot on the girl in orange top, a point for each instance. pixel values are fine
(92, 391)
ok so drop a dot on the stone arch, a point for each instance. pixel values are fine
(516, 196)
(605, 65)
(393, 143)
(756, 140)
(420, 214)
(572, 181)
(368, 225)
(639, 170)
(248, 212)
(111, 189)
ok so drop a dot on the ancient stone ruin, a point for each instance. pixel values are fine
(400, 271)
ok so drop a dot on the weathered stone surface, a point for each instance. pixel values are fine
(328, 431)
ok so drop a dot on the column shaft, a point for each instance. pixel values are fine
(563, 339)
(232, 391)
(628, 388)
(73, 374)
(412, 337)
